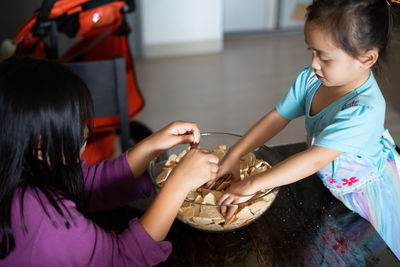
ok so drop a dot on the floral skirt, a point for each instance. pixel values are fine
(379, 203)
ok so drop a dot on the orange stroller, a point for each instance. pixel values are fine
(102, 30)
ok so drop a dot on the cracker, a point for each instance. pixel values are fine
(210, 212)
(198, 199)
(187, 212)
(244, 213)
(202, 220)
(219, 151)
(192, 195)
(249, 158)
(223, 186)
(172, 160)
(163, 175)
(257, 205)
(181, 155)
(210, 199)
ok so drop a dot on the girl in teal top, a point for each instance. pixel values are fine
(349, 147)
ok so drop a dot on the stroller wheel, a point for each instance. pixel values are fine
(139, 131)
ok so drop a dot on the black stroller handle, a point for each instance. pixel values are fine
(43, 23)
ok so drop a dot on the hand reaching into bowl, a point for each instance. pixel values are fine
(238, 192)
(175, 133)
(197, 167)
(228, 165)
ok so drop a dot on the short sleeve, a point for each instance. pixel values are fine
(292, 104)
(349, 130)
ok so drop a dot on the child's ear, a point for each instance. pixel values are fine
(39, 154)
(369, 58)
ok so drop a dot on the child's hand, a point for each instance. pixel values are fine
(197, 167)
(177, 132)
(236, 193)
(228, 165)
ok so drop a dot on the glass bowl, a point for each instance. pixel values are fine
(199, 209)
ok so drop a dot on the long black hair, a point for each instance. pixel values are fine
(356, 25)
(44, 111)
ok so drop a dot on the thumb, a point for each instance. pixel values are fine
(184, 139)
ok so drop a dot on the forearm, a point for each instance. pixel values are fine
(294, 168)
(159, 217)
(266, 128)
(139, 157)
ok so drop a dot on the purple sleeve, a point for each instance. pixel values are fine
(110, 184)
(41, 241)
(86, 244)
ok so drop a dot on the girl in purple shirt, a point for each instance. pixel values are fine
(44, 188)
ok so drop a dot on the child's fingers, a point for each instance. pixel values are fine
(213, 159)
(231, 211)
(186, 138)
(227, 211)
(223, 198)
(214, 169)
(223, 210)
(186, 128)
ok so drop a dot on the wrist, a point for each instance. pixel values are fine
(149, 148)
(254, 184)
(175, 187)
(234, 153)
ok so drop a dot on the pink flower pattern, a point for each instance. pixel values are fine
(349, 182)
(332, 181)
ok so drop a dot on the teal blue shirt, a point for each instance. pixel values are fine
(353, 124)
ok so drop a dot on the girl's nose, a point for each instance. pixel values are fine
(315, 63)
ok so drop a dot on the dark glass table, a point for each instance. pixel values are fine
(305, 226)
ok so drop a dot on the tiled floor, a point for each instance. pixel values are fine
(231, 90)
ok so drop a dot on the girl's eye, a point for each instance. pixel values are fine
(325, 60)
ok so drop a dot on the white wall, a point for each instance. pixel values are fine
(174, 27)
(249, 15)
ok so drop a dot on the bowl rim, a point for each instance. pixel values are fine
(270, 191)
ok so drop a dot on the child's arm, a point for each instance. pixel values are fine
(195, 168)
(292, 169)
(121, 179)
(266, 128)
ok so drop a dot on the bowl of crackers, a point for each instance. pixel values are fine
(200, 209)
